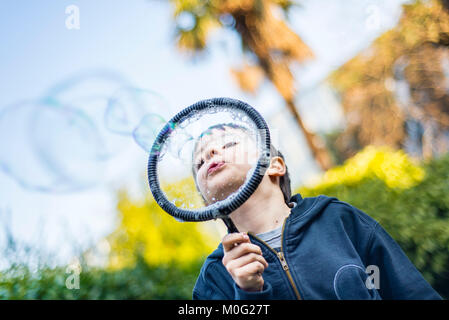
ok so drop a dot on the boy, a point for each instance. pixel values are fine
(289, 247)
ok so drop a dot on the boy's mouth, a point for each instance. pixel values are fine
(214, 166)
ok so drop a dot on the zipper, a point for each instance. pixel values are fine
(282, 260)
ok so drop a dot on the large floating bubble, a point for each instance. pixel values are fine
(50, 147)
(62, 141)
(95, 85)
(117, 108)
(89, 92)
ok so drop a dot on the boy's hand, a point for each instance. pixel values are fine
(244, 261)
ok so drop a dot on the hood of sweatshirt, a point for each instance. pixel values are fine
(305, 210)
(329, 250)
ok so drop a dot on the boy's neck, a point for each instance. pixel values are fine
(264, 211)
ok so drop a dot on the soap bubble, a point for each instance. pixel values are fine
(62, 141)
(196, 128)
(147, 130)
(89, 92)
(50, 147)
(180, 145)
(87, 85)
(128, 106)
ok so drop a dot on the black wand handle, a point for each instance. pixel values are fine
(231, 226)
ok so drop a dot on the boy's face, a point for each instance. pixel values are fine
(222, 160)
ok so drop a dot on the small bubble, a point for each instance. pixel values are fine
(128, 106)
(147, 131)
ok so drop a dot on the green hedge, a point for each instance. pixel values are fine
(139, 282)
(416, 217)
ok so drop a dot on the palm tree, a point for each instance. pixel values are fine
(265, 36)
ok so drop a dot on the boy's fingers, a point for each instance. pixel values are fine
(253, 268)
(241, 250)
(247, 259)
(232, 239)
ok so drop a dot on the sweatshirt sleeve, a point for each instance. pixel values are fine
(265, 294)
(212, 284)
(215, 283)
(398, 278)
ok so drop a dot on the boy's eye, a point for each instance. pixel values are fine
(230, 144)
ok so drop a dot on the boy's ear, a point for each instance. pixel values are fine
(277, 167)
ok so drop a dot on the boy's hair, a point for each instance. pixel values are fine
(284, 181)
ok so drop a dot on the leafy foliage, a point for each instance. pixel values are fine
(400, 80)
(411, 202)
(138, 282)
(146, 230)
(152, 256)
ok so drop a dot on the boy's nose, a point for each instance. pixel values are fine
(212, 152)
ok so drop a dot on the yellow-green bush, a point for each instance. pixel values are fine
(410, 200)
(152, 256)
(396, 169)
(147, 230)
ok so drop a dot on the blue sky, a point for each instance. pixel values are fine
(134, 40)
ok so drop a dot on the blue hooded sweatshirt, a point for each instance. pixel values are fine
(330, 250)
